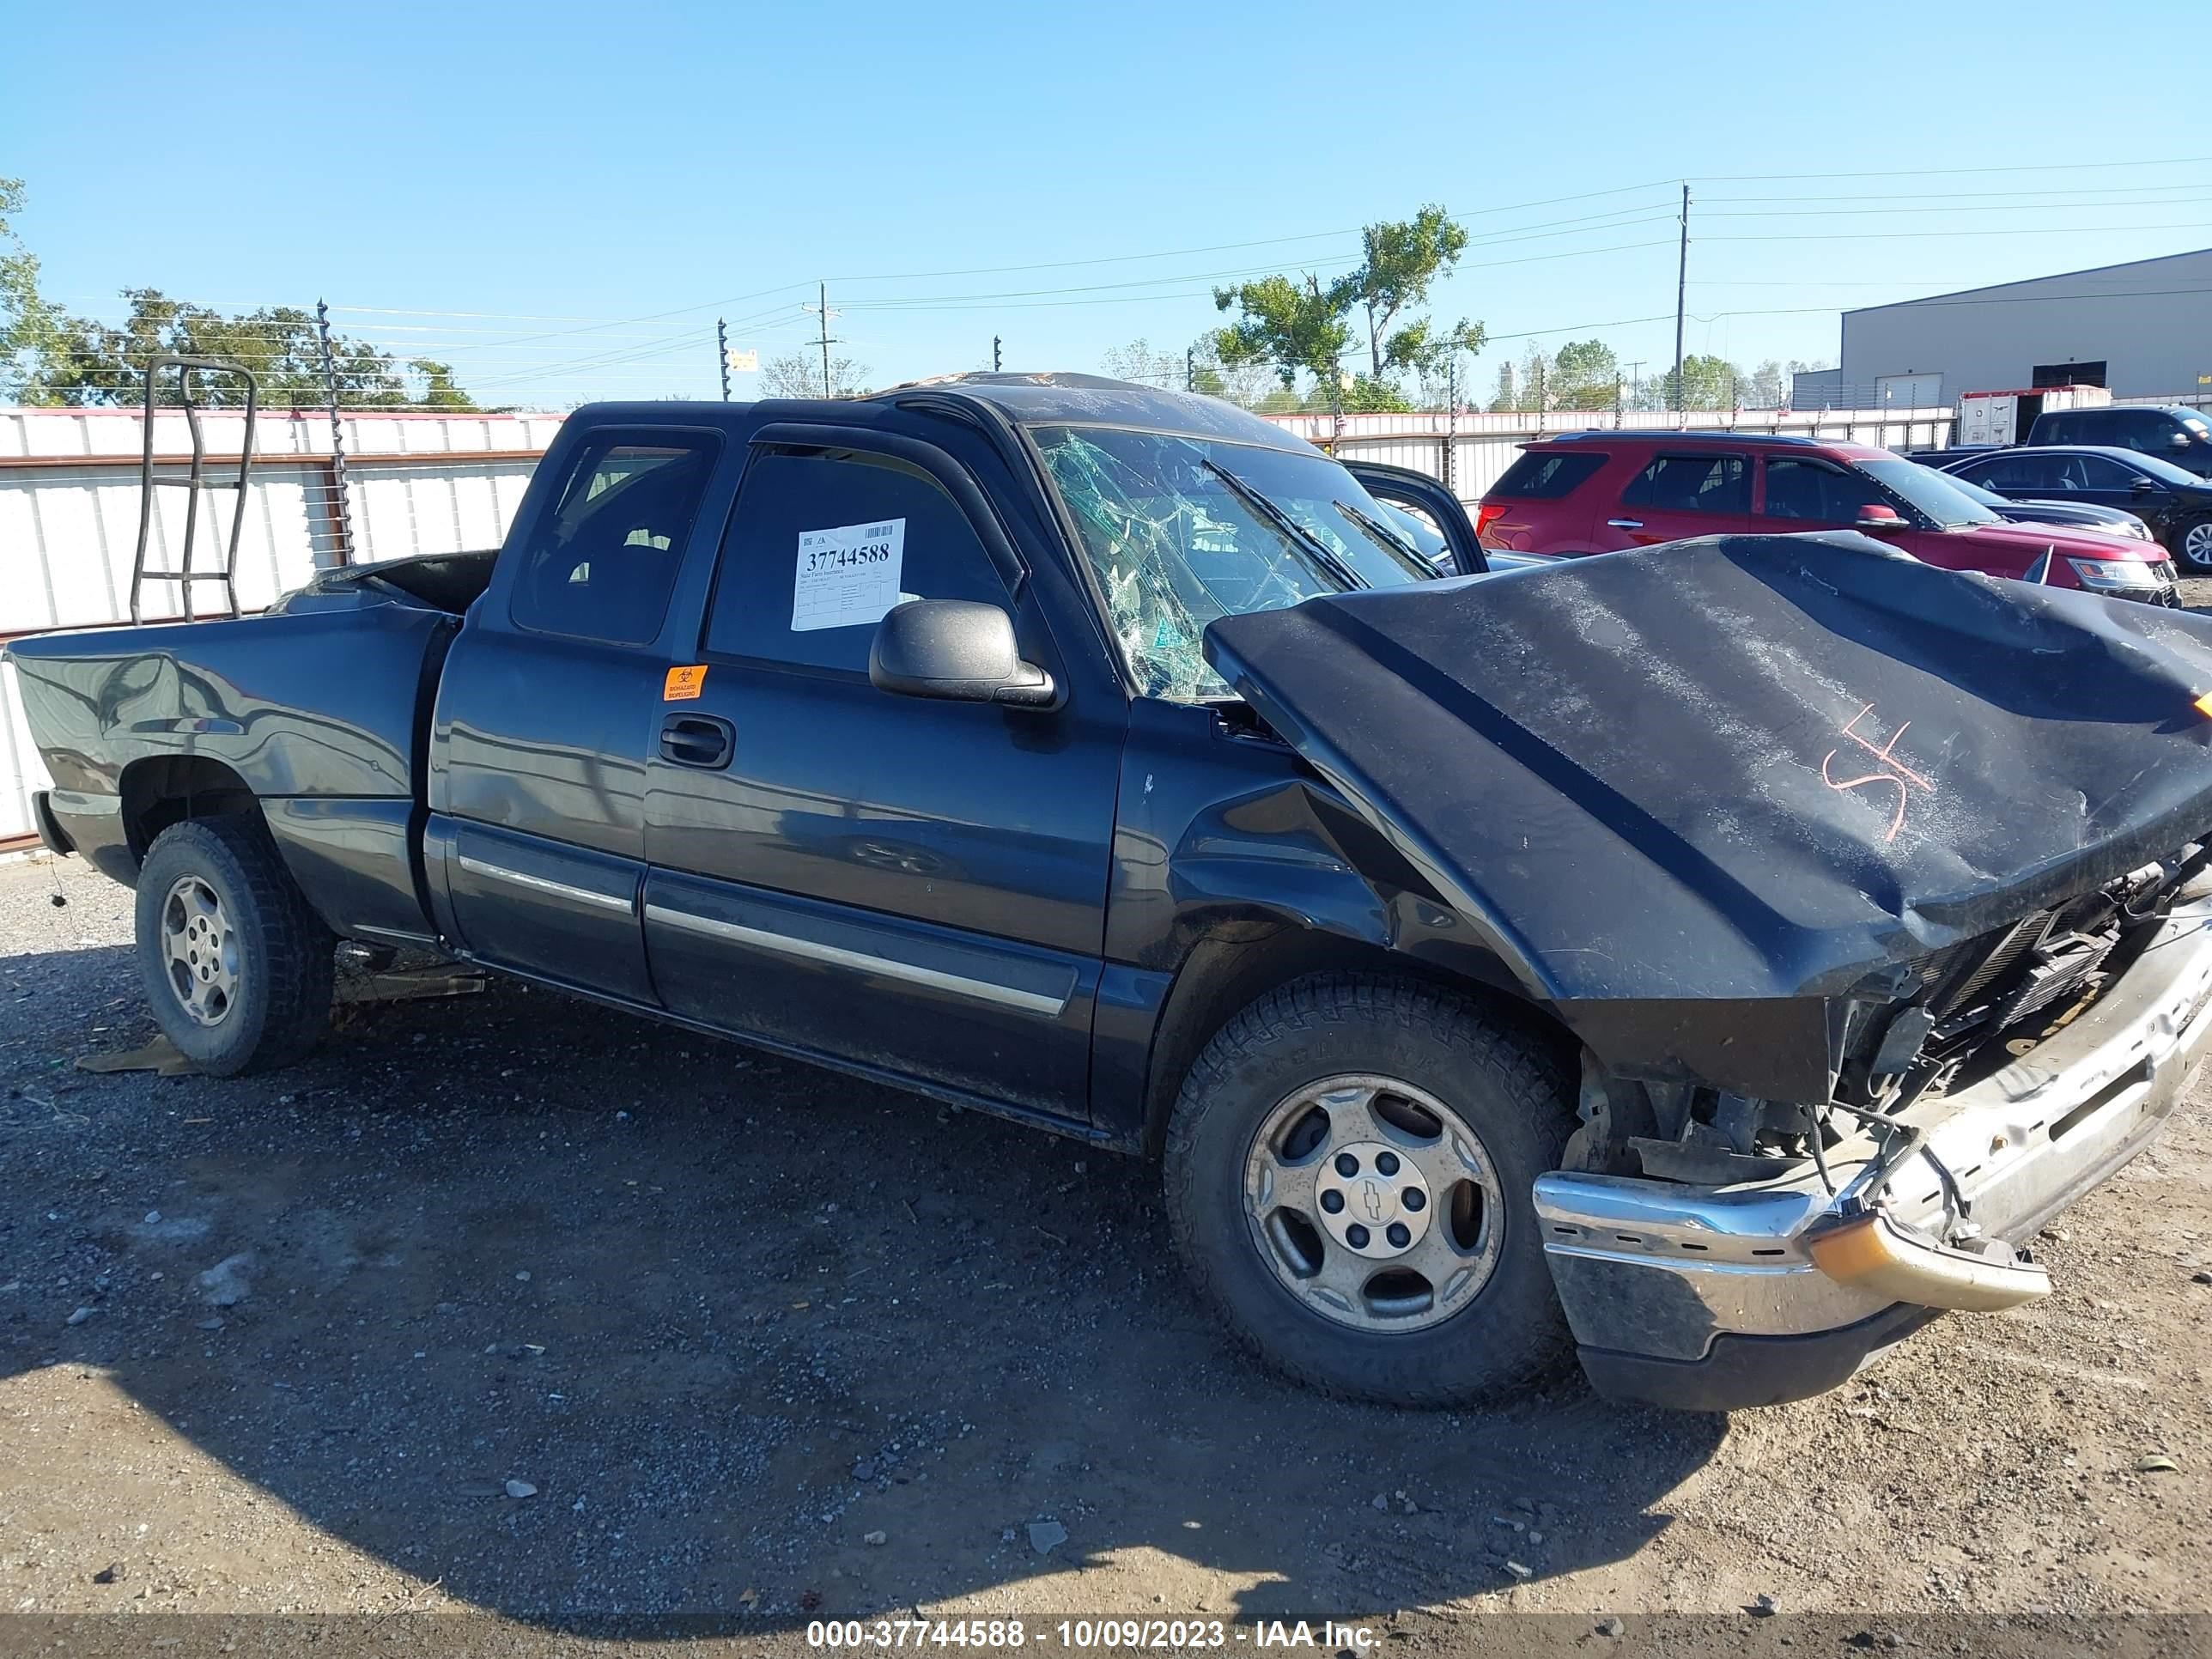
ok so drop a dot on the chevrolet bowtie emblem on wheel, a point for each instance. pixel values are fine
(1370, 1198)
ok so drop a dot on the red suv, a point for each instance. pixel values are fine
(1600, 492)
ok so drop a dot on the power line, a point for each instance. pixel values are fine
(1898, 235)
(1942, 172)
(1953, 196)
(1823, 212)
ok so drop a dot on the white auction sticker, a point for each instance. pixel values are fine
(847, 576)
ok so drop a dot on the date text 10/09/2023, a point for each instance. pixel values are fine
(1326, 1636)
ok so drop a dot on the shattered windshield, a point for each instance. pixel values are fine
(1174, 544)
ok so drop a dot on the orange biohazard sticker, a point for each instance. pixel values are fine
(683, 684)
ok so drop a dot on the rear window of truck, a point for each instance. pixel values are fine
(1538, 477)
(603, 564)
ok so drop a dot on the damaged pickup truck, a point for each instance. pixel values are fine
(1713, 960)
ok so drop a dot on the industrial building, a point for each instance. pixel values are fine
(2143, 329)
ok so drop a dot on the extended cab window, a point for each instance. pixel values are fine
(603, 565)
(1692, 484)
(823, 542)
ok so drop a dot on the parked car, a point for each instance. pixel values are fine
(1595, 492)
(2108, 521)
(1711, 960)
(1433, 520)
(2175, 503)
(2173, 432)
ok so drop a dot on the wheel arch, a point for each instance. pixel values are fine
(159, 790)
(1236, 959)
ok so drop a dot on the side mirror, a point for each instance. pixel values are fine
(2179, 440)
(2144, 486)
(957, 651)
(1875, 516)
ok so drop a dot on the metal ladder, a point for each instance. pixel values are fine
(198, 481)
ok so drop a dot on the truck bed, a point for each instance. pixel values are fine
(320, 708)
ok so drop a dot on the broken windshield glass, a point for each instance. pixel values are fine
(1174, 544)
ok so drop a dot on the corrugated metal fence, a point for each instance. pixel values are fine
(69, 517)
(440, 483)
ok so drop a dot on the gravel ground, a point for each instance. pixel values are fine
(763, 1343)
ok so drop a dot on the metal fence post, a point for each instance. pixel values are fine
(340, 509)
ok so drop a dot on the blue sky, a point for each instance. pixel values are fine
(560, 198)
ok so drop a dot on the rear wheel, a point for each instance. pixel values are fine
(1348, 1172)
(237, 968)
(2192, 545)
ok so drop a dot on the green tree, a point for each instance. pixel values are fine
(31, 330)
(100, 364)
(1365, 395)
(1585, 375)
(1404, 258)
(1295, 324)
(434, 386)
(1706, 383)
(1286, 324)
(49, 356)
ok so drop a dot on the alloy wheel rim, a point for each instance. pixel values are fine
(1373, 1203)
(2196, 545)
(200, 952)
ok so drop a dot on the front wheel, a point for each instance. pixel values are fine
(237, 967)
(2192, 545)
(1348, 1176)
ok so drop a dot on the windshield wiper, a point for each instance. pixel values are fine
(1296, 533)
(1388, 540)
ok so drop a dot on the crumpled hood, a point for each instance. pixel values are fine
(1741, 766)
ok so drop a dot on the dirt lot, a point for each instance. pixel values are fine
(770, 1344)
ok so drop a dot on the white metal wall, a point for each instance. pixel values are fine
(67, 533)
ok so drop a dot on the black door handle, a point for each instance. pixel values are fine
(701, 740)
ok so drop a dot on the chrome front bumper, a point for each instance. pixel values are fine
(1668, 1284)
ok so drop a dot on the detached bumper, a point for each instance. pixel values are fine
(1709, 1298)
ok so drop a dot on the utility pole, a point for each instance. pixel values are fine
(341, 512)
(1190, 368)
(722, 347)
(1681, 288)
(827, 342)
(995, 359)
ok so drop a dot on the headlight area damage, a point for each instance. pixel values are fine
(1877, 894)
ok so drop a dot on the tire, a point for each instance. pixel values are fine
(218, 910)
(1510, 1334)
(2192, 546)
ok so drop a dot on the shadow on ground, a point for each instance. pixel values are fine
(730, 1317)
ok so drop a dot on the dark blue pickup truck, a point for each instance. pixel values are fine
(1711, 959)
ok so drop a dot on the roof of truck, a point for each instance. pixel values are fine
(1023, 399)
(1047, 399)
